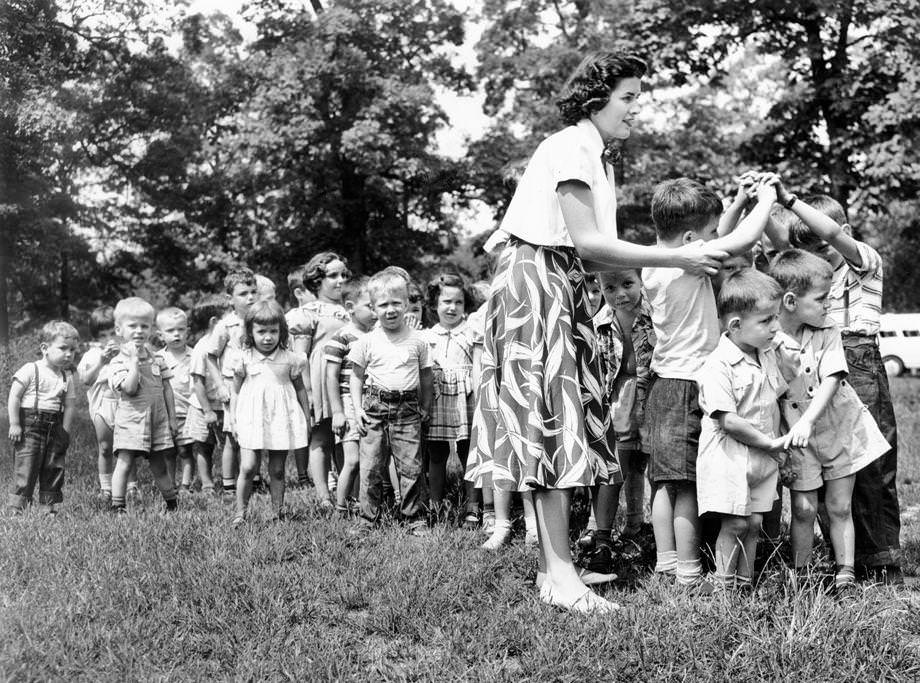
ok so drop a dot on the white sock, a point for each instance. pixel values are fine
(666, 562)
(689, 571)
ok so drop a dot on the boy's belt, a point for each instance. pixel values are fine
(390, 395)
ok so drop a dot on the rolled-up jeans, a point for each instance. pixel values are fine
(394, 426)
(39, 458)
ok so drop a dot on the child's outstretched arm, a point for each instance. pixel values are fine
(800, 432)
(731, 215)
(425, 391)
(14, 403)
(356, 384)
(749, 230)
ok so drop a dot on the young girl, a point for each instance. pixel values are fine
(450, 345)
(311, 326)
(268, 404)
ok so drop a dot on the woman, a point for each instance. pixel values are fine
(539, 423)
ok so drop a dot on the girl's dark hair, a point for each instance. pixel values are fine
(588, 88)
(447, 280)
(102, 318)
(265, 312)
(315, 270)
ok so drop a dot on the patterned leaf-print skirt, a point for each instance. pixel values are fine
(539, 421)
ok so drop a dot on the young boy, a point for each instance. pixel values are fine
(626, 339)
(395, 402)
(830, 428)
(172, 326)
(240, 285)
(93, 371)
(338, 383)
(145, 422)
(41, 412)
(204, 423)
(856, 298)
(740, 443)
(298, 289)
(686, 331)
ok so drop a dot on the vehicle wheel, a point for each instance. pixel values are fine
(893, 365)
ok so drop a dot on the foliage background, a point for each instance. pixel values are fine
(147, 148)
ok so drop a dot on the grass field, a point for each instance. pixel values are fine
(87, 595)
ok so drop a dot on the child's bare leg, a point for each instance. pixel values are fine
(604, 500)
(249, 465)
(663, 526)
(124, 461)
(438, 453)
(132, 476)
(302, 461)
(230, 458)
(204, 453)
(277, 460)
(349, 474)
(502, 533)
(473, 496)
(105, 461)
(729, 548)
(804, 511)
(687, 534)
(745, 567)
(187, 458)
(160, 471)
(169, 459)
(634, 465)
(320, 456)
(530, 517)
(838, 497)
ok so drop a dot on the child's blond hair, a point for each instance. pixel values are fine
(134, 307)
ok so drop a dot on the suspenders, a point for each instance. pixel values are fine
(64, 373)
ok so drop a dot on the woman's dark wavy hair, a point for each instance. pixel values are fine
(265, 312)
(588, 88)
(315, 270)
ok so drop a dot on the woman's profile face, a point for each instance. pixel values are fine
(614, 121)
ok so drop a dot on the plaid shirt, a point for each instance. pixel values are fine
(610, 346)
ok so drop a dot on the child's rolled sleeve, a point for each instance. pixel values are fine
(118, 371)
(716, 391)
(833, 360)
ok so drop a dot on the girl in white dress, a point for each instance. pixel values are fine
(268, 405)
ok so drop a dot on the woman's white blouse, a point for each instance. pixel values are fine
(573, 153)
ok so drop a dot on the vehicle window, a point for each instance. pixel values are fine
(887, 333)
(912, 333)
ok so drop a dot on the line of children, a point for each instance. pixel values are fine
(705, 377)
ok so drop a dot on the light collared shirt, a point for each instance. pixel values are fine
(806, 362)
(685, 319)
(574, 153)
(181, 383)
(856, 294)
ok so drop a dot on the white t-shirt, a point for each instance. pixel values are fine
(685, 319)
(54, 387)
(573, 153)
(391, 363)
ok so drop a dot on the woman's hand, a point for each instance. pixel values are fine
(699, 259)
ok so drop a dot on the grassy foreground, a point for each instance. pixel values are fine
(90, 596)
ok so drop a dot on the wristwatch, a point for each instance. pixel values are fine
(790, 202)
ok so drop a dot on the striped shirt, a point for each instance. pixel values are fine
(856, 295)
(336, 352)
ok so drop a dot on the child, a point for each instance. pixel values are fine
(204, 424)
(268, 404)
(832, 430)
(311, 326)
(93, 371)
(730, 266)
(240, 285)
(172, 326)
(595, 297)
(450, 348)
(741, 447)
(626, 340)
(338, 384)
(145, 421)
(265, 288)
(395, 402)
(41, 412)
(856, 298)
(686, 330)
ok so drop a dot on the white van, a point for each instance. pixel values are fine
(899, 342)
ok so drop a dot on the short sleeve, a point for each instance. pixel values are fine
(831, 357)
(866, 254)
(569, 162)
(301, 323)
(165, 371)
(70, 390)
(25, 375)
(716, 393)
(424, 357)
(234, 365)
(199, 363)
(117, 373)
(336, 349)
(358, 352)
(90, 358)
(219, 338)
